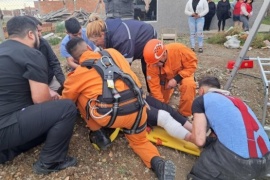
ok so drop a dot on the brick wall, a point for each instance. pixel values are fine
(46, 7)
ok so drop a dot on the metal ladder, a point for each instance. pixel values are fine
(264, 65)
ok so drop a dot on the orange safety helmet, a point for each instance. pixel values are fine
(153, 51)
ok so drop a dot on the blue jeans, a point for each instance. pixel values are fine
(196, 29)
(244, 20)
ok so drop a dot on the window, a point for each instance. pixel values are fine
(140, 12)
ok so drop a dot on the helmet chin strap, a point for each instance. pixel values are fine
(163, 62)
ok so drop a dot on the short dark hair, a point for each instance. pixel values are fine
(72, 44)
(20, 25)
(38, 22)
(72, 25)
(209, 81)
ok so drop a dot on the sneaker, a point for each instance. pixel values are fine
(200, 50)
(164, 169)
(44, 168)
(100, 139)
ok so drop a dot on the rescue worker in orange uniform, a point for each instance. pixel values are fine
(169, 66)
(120, 107)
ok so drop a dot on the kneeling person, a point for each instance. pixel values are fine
(241, 147)
(109, 94)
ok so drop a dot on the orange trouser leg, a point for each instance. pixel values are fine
(187, 90)
(92, 125)
(141, 146)
(138, 142)
(167, 93)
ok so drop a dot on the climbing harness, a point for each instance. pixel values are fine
(112, 102)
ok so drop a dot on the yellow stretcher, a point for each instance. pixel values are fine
(159, 136)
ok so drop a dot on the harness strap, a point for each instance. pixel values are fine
(251, 126)
(106, 68)
(137, 130)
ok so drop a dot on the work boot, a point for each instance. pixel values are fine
(100, 139)
(164, 169)
(46, 168)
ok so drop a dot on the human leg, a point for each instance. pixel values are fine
(206, 23)
(199, 33)
(223, 24)
(219, 23)
(187, 90)
(244, 20)
(156, 104)
(192, 30)
(45, 118)
(210, 20)
(55, 120)
(149, 154)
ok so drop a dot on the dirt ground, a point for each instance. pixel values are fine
(119, 161)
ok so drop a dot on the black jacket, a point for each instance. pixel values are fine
(212, 9)
(54, 68)
(223, 9)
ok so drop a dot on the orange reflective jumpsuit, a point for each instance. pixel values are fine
(180, 60)
(84, 84)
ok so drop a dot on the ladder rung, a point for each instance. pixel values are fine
(266, 72)
(265, 64)
(268, 104)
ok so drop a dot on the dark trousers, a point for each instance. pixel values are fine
(156, 105)
(207, 22)
(217, 162)
(50, 122)
(223, 24)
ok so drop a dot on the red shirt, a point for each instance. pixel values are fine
(237, 8)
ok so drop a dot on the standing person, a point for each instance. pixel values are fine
(73, 29)
(29, 111)
(208, 17)
(239, 148)
(123, 9)
(126, 36)
(236, 14)
(196, 10)
(56, 76)
(223, 13)
(246, 13)
(109, 94)
(169, 66)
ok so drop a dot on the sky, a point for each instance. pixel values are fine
(15, 4)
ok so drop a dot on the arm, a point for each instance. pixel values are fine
(199, 125)
(71, 62)
(53, 62)
(70, 88)
(189, 62)
(244, 10)
(64, 53)
(123, 43)
(153, 81)
(39, 92)
(188, 11)
(205, 9)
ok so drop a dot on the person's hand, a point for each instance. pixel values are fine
(197, 16)
(171, 84)
(54, 95)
